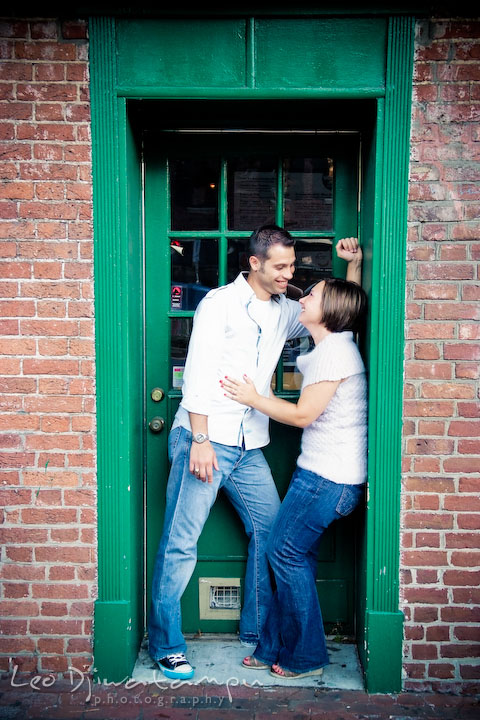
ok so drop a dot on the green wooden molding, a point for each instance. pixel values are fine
(118, 617)
(386, 366)
(107, 261)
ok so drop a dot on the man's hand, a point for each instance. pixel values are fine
(348, 249)
(203, 460)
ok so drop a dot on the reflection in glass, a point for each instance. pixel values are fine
(292, 378)
(314, 262)
(194, 193)
(180, 331)
(252, 192)
(194, 263)
(237, 257)
(308, 193)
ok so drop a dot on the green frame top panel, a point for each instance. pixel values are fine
(336, 56)
(182, 53)
(321, 52)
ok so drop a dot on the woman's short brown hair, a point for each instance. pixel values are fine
(344, 304)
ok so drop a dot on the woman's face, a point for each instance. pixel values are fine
(311, 313)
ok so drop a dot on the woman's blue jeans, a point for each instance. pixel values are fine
(293, 635)
(246, 479)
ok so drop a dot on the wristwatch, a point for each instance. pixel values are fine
(200, 437)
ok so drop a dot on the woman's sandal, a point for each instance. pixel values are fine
(252, 663)
(279, 672)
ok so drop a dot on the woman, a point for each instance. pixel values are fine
(328, 482)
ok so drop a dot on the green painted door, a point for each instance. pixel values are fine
(205, 191)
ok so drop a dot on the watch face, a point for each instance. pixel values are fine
(200, 437)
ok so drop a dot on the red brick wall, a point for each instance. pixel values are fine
(441, 484)
(47, 458)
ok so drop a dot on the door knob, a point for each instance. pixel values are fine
(157, 394)
(156, 424)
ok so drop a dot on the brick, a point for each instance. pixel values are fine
(417, 558)
(61, 572)
(469, 447)
(53, 367)
(424, 331)
(448, 390)
(438, 633)
(64, 554)
(445, 271)
(419, 408)
(468, 633)
(460, 651)
(461, 351)
(37, 92)
(426, 351)
(47, 516)
(462, 464)
(59, 591)
(452, 311)
(469, 409)
(467, 370)
(22, 572)
(428, 370)
(464, 428)
(462, 540)
(441, 670)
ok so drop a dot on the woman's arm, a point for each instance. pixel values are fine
(311, 403)
(348, 249)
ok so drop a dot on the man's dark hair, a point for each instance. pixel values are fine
(264, 237)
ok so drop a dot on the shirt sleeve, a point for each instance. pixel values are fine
(334, 363)
(205, 350)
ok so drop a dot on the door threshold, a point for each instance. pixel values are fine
(217, 660)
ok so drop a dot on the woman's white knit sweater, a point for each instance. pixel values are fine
(335, 445)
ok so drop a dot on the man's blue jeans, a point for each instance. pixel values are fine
(247, 481)
(293, 635)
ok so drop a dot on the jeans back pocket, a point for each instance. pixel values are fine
(349, 499)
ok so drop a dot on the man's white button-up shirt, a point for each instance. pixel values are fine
(227, 339)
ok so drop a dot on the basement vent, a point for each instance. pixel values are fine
(225, 597)
(219, 598)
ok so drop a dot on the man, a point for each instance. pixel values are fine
(215, 443)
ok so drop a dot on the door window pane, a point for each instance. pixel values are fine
(314, 262)
(252, 192)
(180, 331)
(308, 193)
(292, 378)
(237, 257)
(194, 194)
(194, 263)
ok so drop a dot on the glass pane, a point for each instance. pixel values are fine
(314, 262)
(180, 331)
(237, 257)
(252, 192)
(194, 263)
(292, 378)
(194, 193)
(308, 193)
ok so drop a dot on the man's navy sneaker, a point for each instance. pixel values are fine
(176, 666)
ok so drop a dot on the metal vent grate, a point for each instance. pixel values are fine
(225, 597)
(217, 600)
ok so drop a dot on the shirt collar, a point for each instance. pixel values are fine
(246, 291)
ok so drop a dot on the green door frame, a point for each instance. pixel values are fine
(119, 344)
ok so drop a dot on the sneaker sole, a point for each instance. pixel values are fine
(176, 675)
